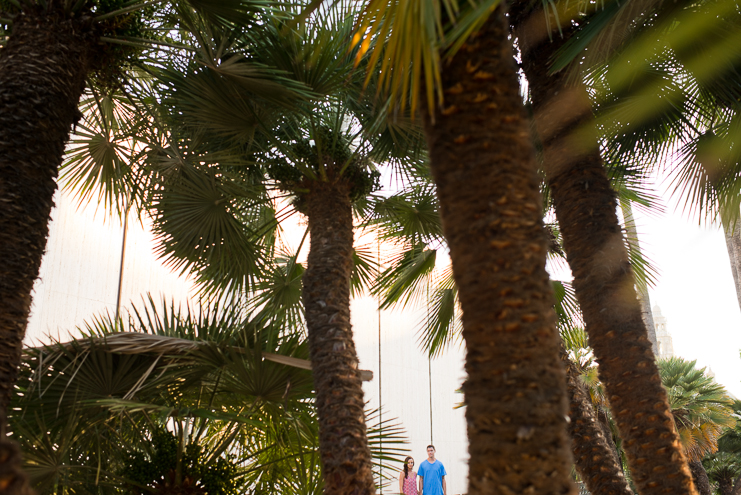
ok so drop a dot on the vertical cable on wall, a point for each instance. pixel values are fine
(380, 401)
(123, 256)
(127, 207)
(429, 374)
(429, 359)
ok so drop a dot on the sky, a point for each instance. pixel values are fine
(695, 288)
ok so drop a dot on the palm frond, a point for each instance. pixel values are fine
(403, 281)
(199, 222)
(103, 156)
(404, 41)
(441, 326)
(701, 407)
(411, 215)
(365, 270)
(567, 309)
(387, 440)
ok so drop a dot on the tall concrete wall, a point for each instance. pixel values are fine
(80, 271)
(420, 393)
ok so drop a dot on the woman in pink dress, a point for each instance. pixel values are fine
(408, 478)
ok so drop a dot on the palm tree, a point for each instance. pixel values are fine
(215, 209)
(724, 466)
(596, 459)
(683, 114)
(410, 218)
(325, 193)
(701, 409)
(483, 164)
(49, 52)
(585, 206)
(722, 470)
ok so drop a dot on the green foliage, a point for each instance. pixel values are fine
(155, 466)
(665, 83)
(441, 326)
(407, 40)
(724, 466)
(403, 280)
(326, 152)
(113, 60)
(700, 406)
(176, 394)
(411, 215)
(177, 400)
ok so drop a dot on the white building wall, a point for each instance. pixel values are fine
(79, 280)
(407, 382)
(79, 273)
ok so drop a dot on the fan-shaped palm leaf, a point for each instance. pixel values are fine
(700, 406)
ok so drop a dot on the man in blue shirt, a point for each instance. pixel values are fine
(431, 475)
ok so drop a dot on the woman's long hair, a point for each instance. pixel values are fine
(406, 466)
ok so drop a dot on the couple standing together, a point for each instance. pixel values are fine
(431, 475)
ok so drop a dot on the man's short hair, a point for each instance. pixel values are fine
(431, 447)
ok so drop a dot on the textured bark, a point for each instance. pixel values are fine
(484, 167)
(604, 422)
(343, 442)
(13, 481)
(42, 75)
(733, 244)
(737, 486)
(595, 459)
(643, 297)
(603, 280)
(725, 486)
(700, 477)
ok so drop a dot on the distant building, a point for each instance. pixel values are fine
(663, 338)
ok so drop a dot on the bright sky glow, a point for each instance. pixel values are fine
(695, 289)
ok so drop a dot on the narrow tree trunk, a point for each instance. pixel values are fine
(604, 423)
(733, 244)
(596, 461)
(725, 485)
(42, 75)
(642, 289)
(343, 443)
(484, 167)
(700, 477)
(737, 486)
(603, 280)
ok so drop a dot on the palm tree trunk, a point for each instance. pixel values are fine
(604, 423)
(595, 460)
(603, 280)
(42, 75)
(733, 245)
(642, 289)
(737, 486)
(483, 163)
(326, 294)
(725, 485)
(700, 477)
